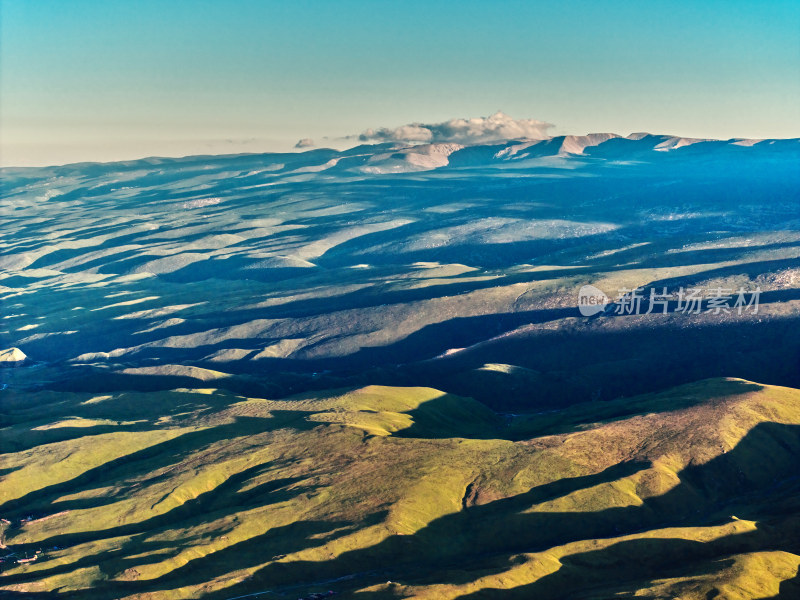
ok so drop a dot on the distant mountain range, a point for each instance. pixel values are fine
(365, 373)
(394, 157)
(531, 153)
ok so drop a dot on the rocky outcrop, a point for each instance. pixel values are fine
(12, 357)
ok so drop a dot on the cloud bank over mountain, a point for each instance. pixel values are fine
(498, 126)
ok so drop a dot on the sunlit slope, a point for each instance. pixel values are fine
(331, 262)
(679, 494)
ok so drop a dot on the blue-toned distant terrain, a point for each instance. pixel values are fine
(365, 371)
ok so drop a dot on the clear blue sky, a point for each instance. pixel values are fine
(110, 79)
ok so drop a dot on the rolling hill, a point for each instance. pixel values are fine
(201, 493)
(366, 372)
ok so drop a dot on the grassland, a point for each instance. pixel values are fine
(269, 376)
(202, 493)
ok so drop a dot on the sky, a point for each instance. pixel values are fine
(105, 80)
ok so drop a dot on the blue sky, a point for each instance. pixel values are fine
(107, 79)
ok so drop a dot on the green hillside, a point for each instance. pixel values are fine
(386, 492)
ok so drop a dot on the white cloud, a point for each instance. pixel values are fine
(305, 143)
(499, 126)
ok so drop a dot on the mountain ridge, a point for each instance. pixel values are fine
(560, 146)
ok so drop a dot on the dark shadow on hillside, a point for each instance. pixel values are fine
(789, 589)
(218, 503)
(574, 418)
(450, 416)
(704, 193)
(91, 379)
(131, 467)
(271, 545)
(207, 506)
(625, 567)
(585, 361)
(742, 479)
(128, 413)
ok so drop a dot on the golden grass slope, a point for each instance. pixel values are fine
(689, 493)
